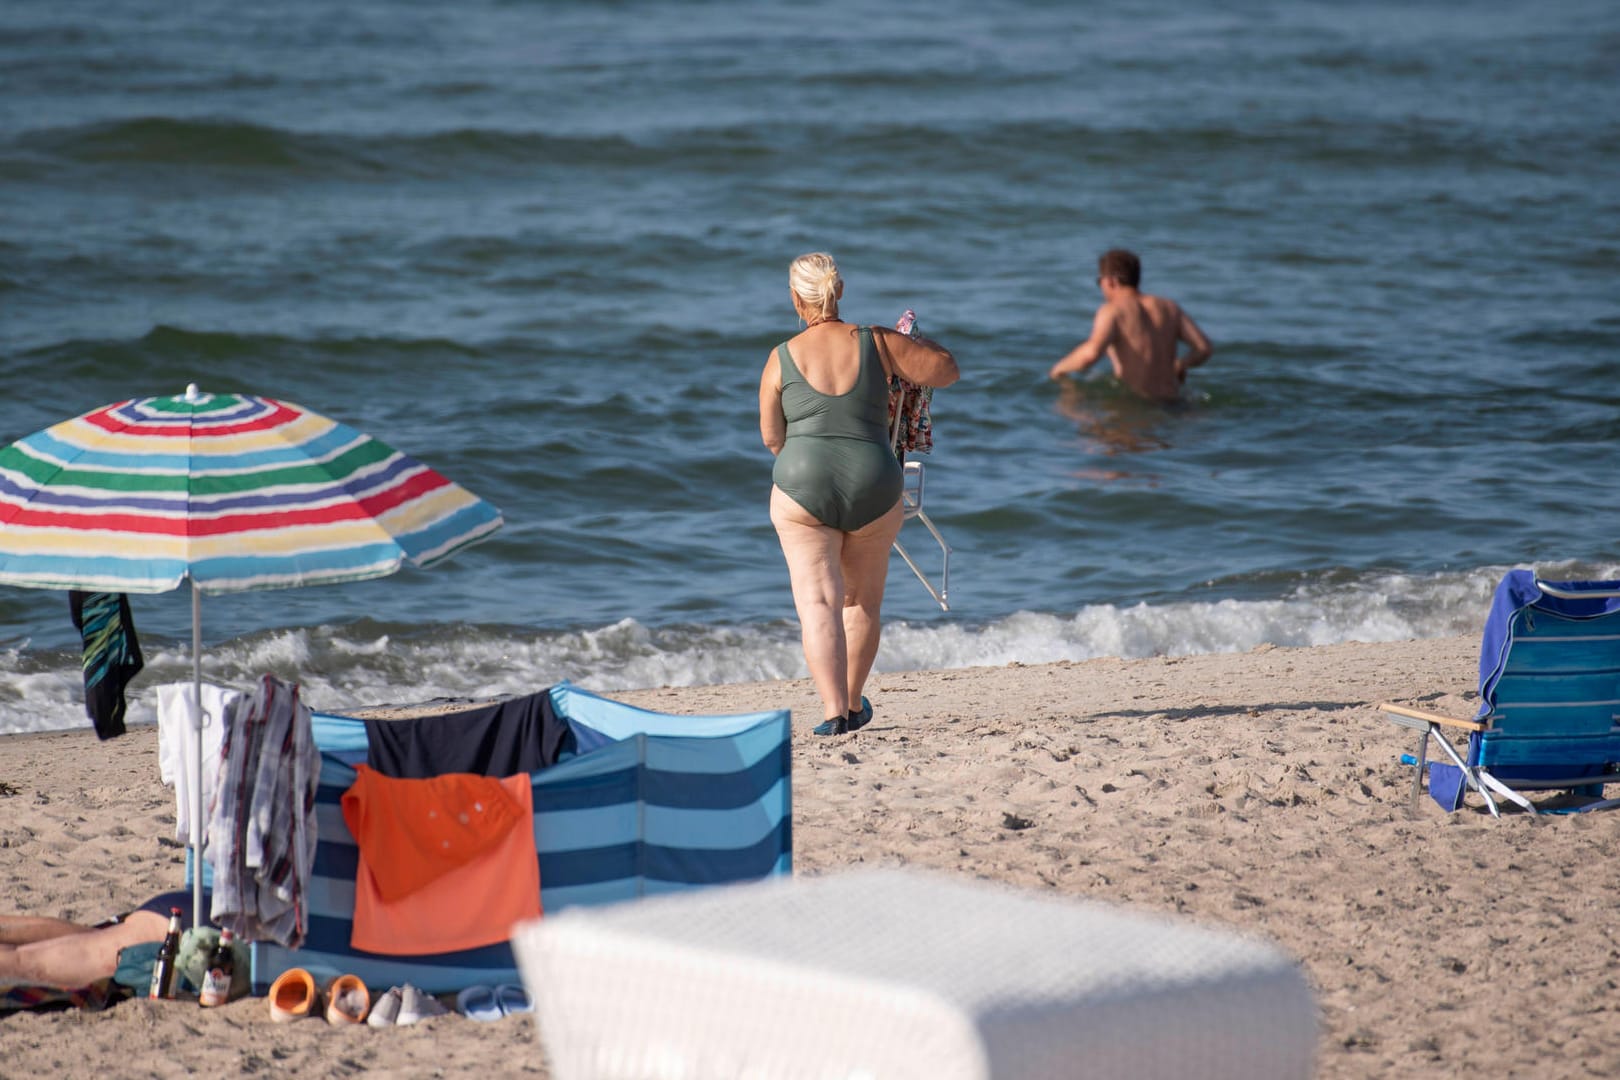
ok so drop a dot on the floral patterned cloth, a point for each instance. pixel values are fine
(911, 402)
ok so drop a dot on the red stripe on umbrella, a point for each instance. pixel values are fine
(230, 522)
(105, 420)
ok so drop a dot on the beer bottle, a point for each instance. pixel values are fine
(216, 987)
(163, 970)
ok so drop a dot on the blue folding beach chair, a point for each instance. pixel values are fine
(1549, 687)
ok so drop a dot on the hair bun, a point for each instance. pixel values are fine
(815, 280)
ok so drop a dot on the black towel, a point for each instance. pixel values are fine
(523, 735)
(112, 656)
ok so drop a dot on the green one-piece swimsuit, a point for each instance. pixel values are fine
(836, 462)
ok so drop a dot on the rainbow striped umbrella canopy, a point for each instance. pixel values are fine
(234, 491)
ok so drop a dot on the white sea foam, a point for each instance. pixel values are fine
(340, 668)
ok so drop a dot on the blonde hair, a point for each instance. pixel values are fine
(815, 280)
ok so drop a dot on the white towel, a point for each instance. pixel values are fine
(177, 742)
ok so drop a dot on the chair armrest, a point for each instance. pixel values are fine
(1433, 718)
(1577, 594)
(911, 489)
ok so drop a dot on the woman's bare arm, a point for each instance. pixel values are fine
(916, 359)
(772, 424)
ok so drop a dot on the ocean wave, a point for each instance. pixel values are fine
(1364, 62)
(164, 348)
(240, 146)
(368, 663)
(1309, 140)
(1571, 338)
(234, 146)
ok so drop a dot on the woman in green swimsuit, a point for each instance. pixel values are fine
(835, 499)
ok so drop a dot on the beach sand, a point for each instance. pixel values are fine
(1258, 792)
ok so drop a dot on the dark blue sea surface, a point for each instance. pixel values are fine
(543, 247)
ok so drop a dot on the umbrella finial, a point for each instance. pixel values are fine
(192, 393)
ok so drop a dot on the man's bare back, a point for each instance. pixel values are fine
(1139, 333)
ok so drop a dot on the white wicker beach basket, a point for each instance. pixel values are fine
(894, 975)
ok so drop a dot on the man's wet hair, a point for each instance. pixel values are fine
(1121, 265)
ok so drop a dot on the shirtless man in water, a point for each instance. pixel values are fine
(1138, 332)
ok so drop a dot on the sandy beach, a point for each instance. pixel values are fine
(1259, 792)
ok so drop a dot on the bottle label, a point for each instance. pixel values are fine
(162, 977)
(216, 987)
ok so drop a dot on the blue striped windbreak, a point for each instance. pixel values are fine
(653, 803)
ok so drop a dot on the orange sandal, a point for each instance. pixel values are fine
(347, 1000)
(292, 995)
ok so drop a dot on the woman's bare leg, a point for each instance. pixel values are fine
(815, 569)
(866, 572)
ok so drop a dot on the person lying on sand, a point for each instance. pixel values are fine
(40, 951)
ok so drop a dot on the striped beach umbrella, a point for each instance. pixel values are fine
(230, 491)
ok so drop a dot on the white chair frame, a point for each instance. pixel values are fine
(911, 504)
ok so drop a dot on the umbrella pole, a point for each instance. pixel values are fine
(198, 720)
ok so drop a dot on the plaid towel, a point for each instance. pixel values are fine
(261, 828)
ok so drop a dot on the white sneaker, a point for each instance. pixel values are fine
(385, 1009)
(414, 1005)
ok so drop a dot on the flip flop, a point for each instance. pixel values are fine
(513, 999)
(480, 1002)
(292, 995)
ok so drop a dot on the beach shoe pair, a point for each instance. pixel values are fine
(293, 996)
(842, 725)
(488, 1003)
(402, 1006)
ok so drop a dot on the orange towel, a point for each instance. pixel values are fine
(412, 831)
(445, 863)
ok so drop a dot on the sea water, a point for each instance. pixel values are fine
(543, 247)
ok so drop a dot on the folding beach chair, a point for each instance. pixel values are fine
(1549, 687)
(911, 494)
(911, 504)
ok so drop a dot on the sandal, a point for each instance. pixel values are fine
(347, 1000)
(292, 995)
